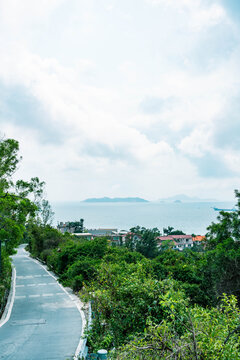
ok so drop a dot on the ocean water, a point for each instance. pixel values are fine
(188, 217)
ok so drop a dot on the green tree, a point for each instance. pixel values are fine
(16, 205)
(228, 226)
(146, 242)
(45, 213)
(167, 231)
(147, 245)
(222, 271)
(170, 231)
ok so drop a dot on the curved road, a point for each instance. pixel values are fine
(45, 323)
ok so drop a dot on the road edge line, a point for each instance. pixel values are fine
(8, 308)
(77, 303)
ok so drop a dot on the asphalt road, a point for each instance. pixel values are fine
(45, 323)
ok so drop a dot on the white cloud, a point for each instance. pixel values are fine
(199, 15)
(15, 13)
(176, 4)
(93, 94)
(69, 105)
(197, 143)
(233, 159)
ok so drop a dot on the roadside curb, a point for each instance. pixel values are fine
(8, 308)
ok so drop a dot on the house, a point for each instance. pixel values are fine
(166, 240)
(132, 238)
(71, 226)
(119, 237)
(178, 242)
(85, 236)
(199, 240)
(101, 232)
(64, 227)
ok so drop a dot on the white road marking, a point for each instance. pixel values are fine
(60, 293)
(47, 294)
(29, 322)
(20, 296)
(25, 277)
(34, 296)
(77, 304)
(36, 284)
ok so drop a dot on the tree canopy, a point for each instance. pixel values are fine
(19, 200)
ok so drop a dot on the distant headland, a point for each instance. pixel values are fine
(110, 200)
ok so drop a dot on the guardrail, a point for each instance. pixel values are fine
(84, 351)
(101, 354)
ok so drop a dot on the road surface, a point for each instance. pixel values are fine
(45, 324)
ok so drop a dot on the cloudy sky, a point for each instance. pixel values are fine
(123, 97)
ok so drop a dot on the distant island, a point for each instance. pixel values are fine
(184, 198)
(108, 200)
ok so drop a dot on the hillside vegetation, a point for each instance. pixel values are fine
(170, 305)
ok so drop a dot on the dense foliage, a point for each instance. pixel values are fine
(5, 279)
(152, 304)
(188, 332)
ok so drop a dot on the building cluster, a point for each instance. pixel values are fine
(71, 226)
(176, 242)
(180, 242)
(90, 234)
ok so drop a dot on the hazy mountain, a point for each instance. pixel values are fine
(186, 198)
(107, 199)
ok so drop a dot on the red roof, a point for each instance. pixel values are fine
(174, 237)
(182, 236)
(132, 234)
(165, 237)
(199, 238)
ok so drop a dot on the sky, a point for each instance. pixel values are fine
(123, 97)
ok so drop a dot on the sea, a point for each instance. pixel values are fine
(191, 218)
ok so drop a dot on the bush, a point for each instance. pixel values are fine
(77, 282)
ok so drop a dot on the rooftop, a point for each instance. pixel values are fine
(174, 237)
(199, 238)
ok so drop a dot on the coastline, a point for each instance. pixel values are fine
(188, 217)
